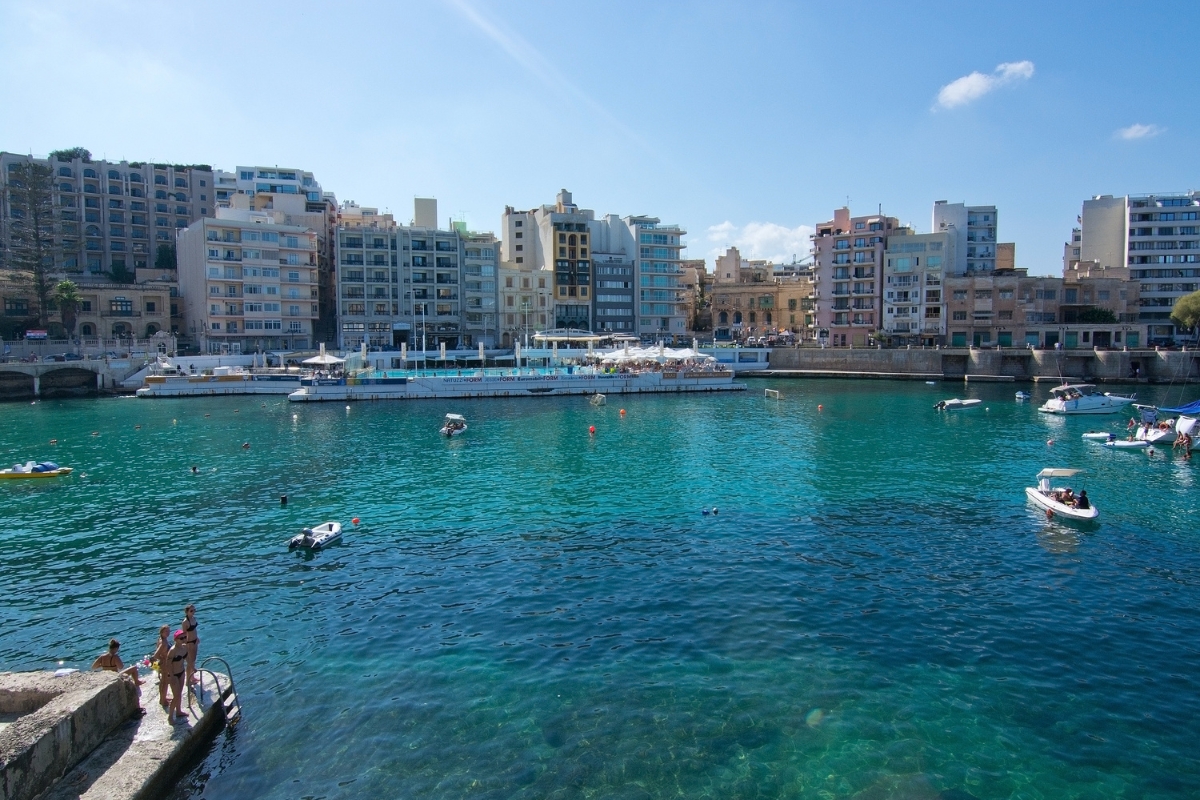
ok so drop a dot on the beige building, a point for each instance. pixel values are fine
(1014, 309)
(249, 282)
(526, 303)
(753, 299)
(914, 270)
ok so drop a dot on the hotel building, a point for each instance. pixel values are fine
(113, 216)
(914, 270)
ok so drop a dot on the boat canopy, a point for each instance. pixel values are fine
(1058, 473)
(1082, 388)
(1184, 426)
(1191, 408)
(455, 418)
(659, 353)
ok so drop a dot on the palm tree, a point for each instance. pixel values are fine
(67, 298)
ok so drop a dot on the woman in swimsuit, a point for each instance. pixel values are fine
(189, 626)
(174, 665)
(111, 662)
(160, 660)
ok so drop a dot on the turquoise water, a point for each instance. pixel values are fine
(531, 611)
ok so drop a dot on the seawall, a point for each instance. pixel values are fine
(1102, 366)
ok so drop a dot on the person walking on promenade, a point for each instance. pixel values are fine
(174, 665)
(160, 662)
(189, 626)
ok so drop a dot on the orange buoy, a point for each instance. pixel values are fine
(355, 520)
(622, 412)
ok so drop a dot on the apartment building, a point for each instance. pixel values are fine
(974, 228)
(1015, 309)
(297, 194)
(914, 270)
(637, 250)
(847, 259)
(480, 265)
(1157, 237)
(616, 284)
(413, 285)
(112, 216)
(526, 300)
(248, 282)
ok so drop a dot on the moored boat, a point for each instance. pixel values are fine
(1023, 396)
(1082, 398)
(317, 537)
(33, 469)
(1059, 501)
(955, 404)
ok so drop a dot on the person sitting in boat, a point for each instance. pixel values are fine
(1081, 502)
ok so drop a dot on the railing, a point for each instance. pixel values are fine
(120, 313)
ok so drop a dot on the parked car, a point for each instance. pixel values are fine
(72, 357)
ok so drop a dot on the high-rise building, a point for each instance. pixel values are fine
(249, 282)
(975, 231)
(480, 265)
(914, 271)
(1157, 236)
(615, 266)
(847, 258)
(662, 310)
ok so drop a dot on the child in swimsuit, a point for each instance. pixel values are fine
(159, 658)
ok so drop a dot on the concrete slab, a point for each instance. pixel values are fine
(143, 758)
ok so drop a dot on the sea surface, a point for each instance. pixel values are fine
(532, 610)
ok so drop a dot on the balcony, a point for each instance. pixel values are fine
(111, 313)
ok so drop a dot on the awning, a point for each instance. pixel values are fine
(1058, 473)
(1190, 408)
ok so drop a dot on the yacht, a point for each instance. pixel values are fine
(1082, 398)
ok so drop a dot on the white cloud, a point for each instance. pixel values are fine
(767, 240)
(1138, 131)
(976, 85)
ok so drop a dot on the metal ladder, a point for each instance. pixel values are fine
(231, 707)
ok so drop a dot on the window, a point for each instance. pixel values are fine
(960, 315)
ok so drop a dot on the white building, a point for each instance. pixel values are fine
(975, 232)
(413, 285)
(662, 306)
(914, 304)
(248, 282)
(1157, 237)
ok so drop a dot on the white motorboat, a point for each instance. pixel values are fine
(1082, 398)
(1125, 444)
(1099, 436)
(317, 537)
(1023, 396)
(1186, 431)
(956, 404)
(1052, 498)
(455, 425)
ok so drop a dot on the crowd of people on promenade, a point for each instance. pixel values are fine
(174, 659)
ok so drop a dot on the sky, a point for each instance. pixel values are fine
(746, 123)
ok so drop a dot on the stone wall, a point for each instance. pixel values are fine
(62, 720)
(1113, 366)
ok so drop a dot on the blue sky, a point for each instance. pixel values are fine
(745, 122)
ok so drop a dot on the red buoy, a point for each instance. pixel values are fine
(592, 430)
(355, 520)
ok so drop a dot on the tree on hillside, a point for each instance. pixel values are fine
(67, 298)
(31, 231)
(165, 258)
(1186, 313)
